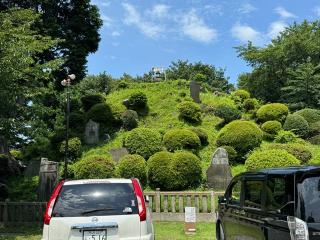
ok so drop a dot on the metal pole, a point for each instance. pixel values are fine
(67, 132)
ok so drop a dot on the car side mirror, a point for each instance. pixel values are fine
(222, 200)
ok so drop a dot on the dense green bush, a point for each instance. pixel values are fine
(143, 141)
(270, 158)
(301, 152)
(187, 170)
(94, 166)
(174, 171)
(297, 124)
(89, 101)
(102, 114)
(227, 113)
(160, 173)
(129, 119)
(272, 111)
(250, 104)
(232, 154)
(312, 116)
(270, 129)
(242, 94)
(243, 136)
(23, 189)
(203, 136)
(315, 140)
(190, 112)
(74, 148)
(133, 166)
(284, 136)
(137, 101)
(177, 139)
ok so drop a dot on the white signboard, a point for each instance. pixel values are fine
(190, 215)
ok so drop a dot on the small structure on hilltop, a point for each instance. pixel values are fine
(158, 74)
(219, 173)
(91, 135)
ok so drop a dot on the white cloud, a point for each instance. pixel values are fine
(133, 18)
(214, 9)
(284, 13)
(317, 11)
(115, 34)
(247, 8)
(105, 3)
(159, 11)
(194, 27)
(275, 28)
(245, 33)
(107, 21)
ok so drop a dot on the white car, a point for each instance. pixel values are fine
(98, 209)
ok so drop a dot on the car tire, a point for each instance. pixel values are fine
(220, 232)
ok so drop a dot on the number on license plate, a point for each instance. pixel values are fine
(95, 235)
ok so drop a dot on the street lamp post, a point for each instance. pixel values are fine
(66, 83)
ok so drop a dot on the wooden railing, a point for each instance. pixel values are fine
(164, 206)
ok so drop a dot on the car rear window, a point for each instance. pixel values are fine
(98, 199)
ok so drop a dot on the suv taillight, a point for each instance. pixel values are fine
(51, 202)
(141, 204)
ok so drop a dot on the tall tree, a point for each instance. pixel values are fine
(77, 22)
(21, 71)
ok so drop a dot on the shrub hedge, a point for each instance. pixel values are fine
(242, 94)
(309, 114)
(129, 119)
(270, 159)
(133, 166)
(137, 101)
(243, 136)
(94, 166)
(227, 113)
(89, 101)
(203, 136)
(272, 111)
(178, 139)
(284, 136)
(74, 148)
(189, 112)
(271, 127)
(250, 104)
(143, 141)
(297, 124)
(102, 114)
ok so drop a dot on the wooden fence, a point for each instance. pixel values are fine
(164, 206)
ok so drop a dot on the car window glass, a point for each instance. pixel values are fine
(253, 193)
(279, 194)
(98, 199)
(234, 194)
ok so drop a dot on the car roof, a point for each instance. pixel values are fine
(283, 171)
(93, 181)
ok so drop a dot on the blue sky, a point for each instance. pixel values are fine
(140, 34)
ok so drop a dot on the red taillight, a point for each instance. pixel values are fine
(140, 198)
(51, 202)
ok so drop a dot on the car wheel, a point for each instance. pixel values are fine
(219, 232)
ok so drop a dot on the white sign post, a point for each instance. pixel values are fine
(190, 220)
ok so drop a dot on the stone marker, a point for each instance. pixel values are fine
(92, 132)
(195, 91)
(190, 220)
(219, 172)
(118, 153)
(48, 178)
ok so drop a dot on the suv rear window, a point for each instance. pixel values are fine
(96, 199)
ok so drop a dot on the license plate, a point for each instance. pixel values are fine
(95, 235)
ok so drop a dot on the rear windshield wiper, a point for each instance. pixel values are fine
(97, 210)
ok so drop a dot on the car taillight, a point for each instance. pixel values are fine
(51, 202)
(141, 204)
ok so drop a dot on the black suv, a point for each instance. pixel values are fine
(279, 204)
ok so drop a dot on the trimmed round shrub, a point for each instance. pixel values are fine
(301, 152)
(297, 124)
(284, 136)
(137, 101)
(187, 170)
(133, 166)
(250, 104)
(102, 114)
(129, 119)
(89, 101)
(227, 113)
(242, 94)
(202, 135)
(190, 112)
(271, 127)
(143, 141)
(309, 114)
(177, 139)
(272, 111)
(94, 166)
(74, 148)
(270, 159)
(243, 136)
(160, 174)
(232, 154)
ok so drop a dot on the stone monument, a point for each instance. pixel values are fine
(195, 91)
(219, 172)
(91, 132)
(118, 153)
(48, 178)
